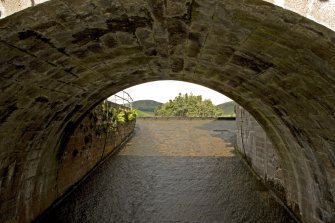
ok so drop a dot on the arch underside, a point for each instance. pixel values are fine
(61, 58)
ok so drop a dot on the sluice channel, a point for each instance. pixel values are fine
(172, 171)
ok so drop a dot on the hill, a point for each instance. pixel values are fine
(228, 108)
(146, 105)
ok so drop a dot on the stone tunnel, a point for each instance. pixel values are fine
(61, 58)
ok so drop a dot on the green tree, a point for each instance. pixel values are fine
(188, 105)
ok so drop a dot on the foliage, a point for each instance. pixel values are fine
(132, 114)
(111, 117)
(189, 105)
(121, 117)
(144, 114)
(228, 108)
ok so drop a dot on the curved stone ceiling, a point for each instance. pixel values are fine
(321, 11)
(59, 59)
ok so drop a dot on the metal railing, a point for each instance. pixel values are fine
(122, 98)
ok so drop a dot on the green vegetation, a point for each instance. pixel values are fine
(146, 106)
(228, 108)
(110, 116)
(144, 114)
(189, 105)
(131, 114)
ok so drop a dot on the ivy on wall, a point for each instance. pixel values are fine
(110, 116)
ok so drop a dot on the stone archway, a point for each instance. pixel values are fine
(61, 58)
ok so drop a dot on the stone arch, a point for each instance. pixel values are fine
(69, 55)
(2, 10)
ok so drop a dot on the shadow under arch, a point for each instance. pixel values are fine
(70, 55)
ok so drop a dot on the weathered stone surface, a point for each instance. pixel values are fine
(256, 147)
(321, 11)
(60, 58)
(81, 151)
(86, 147)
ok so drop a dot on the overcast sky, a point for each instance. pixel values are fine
(162, 91)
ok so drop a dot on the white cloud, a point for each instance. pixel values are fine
(162, 91)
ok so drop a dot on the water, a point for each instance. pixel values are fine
(173, 171)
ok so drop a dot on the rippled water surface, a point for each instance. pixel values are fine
(172, 171)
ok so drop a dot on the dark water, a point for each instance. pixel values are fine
(172, 171)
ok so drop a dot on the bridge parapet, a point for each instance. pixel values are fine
(320, 11)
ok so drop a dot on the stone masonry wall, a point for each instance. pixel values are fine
(60, 58)
(84, 149)
(321, 11)
(257, 149)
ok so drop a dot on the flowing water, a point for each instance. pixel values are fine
(172, 171)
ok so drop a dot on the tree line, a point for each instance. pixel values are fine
(188, 105)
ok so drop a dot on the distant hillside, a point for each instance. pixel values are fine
(146, 105)
(228, 108)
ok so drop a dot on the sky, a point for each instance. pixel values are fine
(162, 91)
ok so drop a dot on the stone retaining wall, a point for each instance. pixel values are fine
(87, 147)
(256, 147)
(84, 149)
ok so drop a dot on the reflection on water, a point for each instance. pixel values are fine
(173, 171)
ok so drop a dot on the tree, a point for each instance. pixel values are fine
(188, 105)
